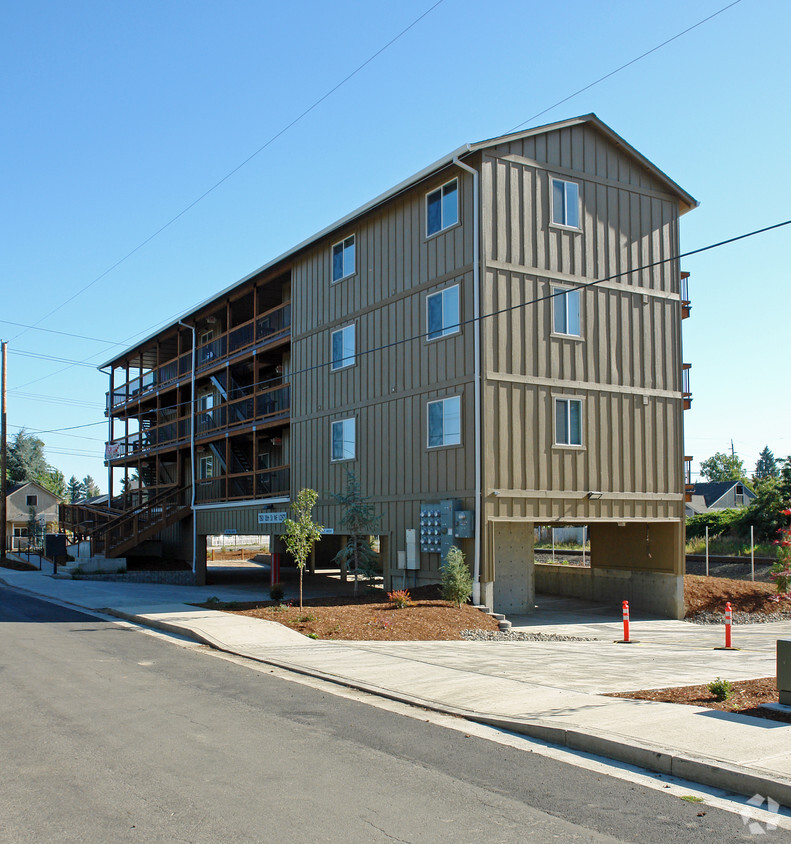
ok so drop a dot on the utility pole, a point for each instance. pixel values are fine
(733, 453)
(3, 452)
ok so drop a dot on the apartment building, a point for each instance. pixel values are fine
(492, 345)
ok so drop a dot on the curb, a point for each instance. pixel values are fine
(717, 773)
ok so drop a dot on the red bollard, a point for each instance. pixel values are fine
(728, 626)
(626, 640)
(626, 621)
(274, 570)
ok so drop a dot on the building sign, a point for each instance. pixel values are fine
(328, 531)
(230, 532)
(271, 518)
(112, 451)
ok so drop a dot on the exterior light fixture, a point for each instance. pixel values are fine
(594, 495)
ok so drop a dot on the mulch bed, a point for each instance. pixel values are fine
(709, 594)
(369, 618)
(13, 564)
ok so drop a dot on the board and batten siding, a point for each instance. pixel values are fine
(625, 366)
(396, 370)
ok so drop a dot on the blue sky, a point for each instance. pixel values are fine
(118, 116)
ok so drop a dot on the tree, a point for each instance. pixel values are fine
(456, 577)
(722, 467)
(301, 530)
(772, 496)
(360, 522)
(75, 489)
(91, 487)
(766, 467)
(54, 481)
(26, 460)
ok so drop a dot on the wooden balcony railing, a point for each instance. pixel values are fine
(686, 302)
(686, 390)
(262, 484)
(266, 328)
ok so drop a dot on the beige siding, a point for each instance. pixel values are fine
(625, 366)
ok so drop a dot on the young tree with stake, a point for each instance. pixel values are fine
(301, 531)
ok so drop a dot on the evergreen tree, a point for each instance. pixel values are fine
(360, 522)
(456, 577)
(75, 489)
(26, 460)
(766, 467)
(91, 487)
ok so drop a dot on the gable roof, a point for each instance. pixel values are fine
(12, 488)
(712, 491)
(686, 202)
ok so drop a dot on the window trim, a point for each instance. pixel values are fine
(29, 503)
(206, 460)
(555, 288)
(567, 398)
(335, 422)
(552, 221)
(443, 444)
(353, 361)
(440, 188)
(445, 332)
(342, 244)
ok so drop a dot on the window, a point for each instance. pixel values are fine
(442, 208)
(206, 401)
(444, 422)
(568, 421)
(31, 501)
(343, 259)
(442, 312)
(566, 203)
(343, 439)
(342, 347)
(567, 311)
(205, 467)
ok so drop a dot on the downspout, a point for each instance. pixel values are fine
(476, 299)
(192, 452)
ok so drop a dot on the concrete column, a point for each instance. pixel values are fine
(514, 575)
(200, 560)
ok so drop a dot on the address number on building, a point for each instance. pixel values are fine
(271, 518)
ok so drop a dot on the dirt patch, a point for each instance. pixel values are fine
(17, 566)
(746, 699)
(369, 618)
(710, 594)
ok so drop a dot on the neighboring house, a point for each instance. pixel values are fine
(24, 500)
(718, 495)
(362, 349)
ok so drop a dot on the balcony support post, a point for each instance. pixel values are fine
(192, 451)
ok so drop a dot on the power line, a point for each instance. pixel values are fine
(624, 66)
(59, 433)
(60, 333)
(61, 400)
(236, 169)
(39, 356)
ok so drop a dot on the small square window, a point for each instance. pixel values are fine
(31, 501)
(442, 208)
(568, 421)
(343, 439)
(444, 422)
(567, 311)
(343, 259)
(205, 468)
(566, 203)
(342, 347)
(442, 312)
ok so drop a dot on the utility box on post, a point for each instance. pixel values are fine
(784, 670)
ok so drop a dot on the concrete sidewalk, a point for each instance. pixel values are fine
(548, 690)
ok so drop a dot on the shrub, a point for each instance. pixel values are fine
(718, 522)
(276, 592)
(721, 689)
(400, 599)
(456, 577)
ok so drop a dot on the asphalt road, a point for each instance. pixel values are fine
(108, 734)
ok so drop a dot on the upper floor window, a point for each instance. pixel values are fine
(205, 467)
(31, 501)
(342, 347)
(442, 208)
(444, 422)
(343, 438)
(567, 311)
(343, 258)
(442, 312)
(568, 421)
(566, 203)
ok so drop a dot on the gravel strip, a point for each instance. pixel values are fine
(739, 617)
(520, 636)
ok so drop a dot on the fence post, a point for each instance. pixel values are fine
(707, 550)
(553, 545)
(752, 552)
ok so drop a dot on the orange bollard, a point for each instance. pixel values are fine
(626, 621)
(728, 624)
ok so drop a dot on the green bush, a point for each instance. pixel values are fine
(721, 689)
(719, 522)
(456, 577)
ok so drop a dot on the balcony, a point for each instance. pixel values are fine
(686, 391)
(271, 327)
(688, 485)
(269, 483)
(686, 302)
